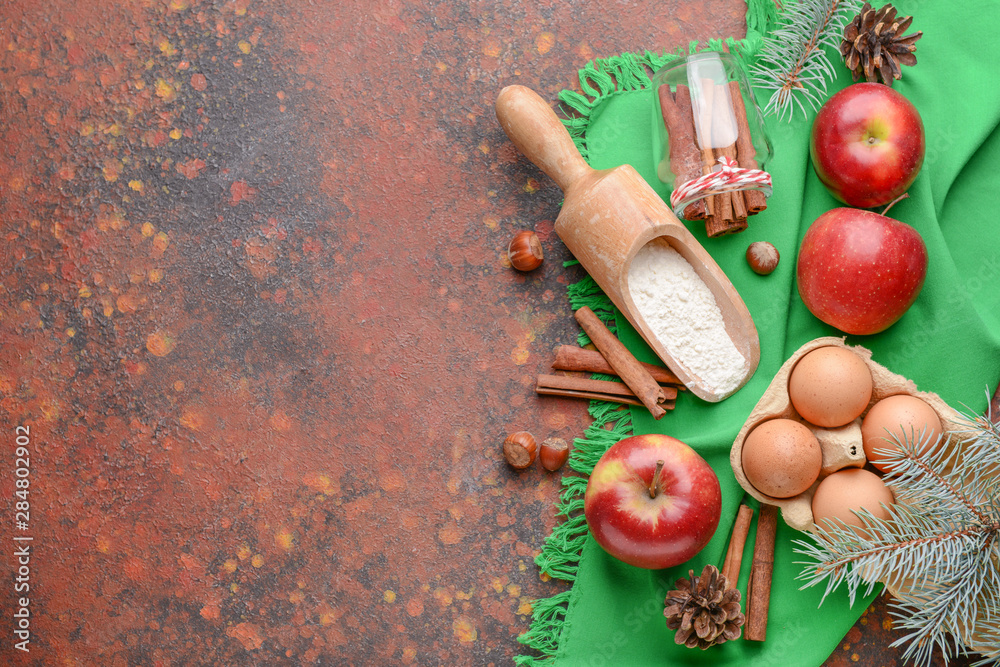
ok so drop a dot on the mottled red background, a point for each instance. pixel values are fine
(255, 310)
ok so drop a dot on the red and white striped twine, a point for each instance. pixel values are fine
(730, 176)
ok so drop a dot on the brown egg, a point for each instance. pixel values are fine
(901, 417)
(847, 490)
(830, 386)
(781, 458)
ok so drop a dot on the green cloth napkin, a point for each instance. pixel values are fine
(948, 342)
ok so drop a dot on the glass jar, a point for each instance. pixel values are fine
(709, 141)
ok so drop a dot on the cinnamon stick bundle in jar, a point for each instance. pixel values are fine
(704, 125)
(714, 141)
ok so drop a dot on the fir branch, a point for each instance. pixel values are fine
(939, 549)
(907, 547)
(917, 471)
(793, 62)
(983, 436)
(939, 615)
(920, 646)
(952, 575)
(990, 637)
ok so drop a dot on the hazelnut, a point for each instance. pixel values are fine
(519, 449)
(762, 257)
(553, 453)
(525, 251)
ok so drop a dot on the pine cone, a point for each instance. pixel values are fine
(702, 611)
(874, 44)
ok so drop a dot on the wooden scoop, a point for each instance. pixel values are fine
(608, 216)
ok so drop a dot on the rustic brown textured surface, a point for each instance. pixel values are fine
(254, 309)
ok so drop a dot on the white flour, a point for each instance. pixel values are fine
(682, 312)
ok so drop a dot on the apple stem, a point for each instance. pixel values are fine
(905, 195)
(654, 486)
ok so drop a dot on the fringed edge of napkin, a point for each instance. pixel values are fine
(560, 555)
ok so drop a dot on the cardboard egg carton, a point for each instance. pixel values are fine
(842, 447)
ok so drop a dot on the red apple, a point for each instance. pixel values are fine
(652, 501)
(867, 144)
(860, 271)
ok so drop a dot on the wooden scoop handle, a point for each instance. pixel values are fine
(537, 132)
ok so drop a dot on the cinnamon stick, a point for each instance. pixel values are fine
(734, 555)
(697, 210)
(725, 210)
(719, 227)
(596, 396)
(732, 217)
(570, 358)
(731, 212)
(755, 199)
(691, 154)
(608, 387)
(738, 196)
(626, 366)
(760, 574)
(590, 395)
(708, 161)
